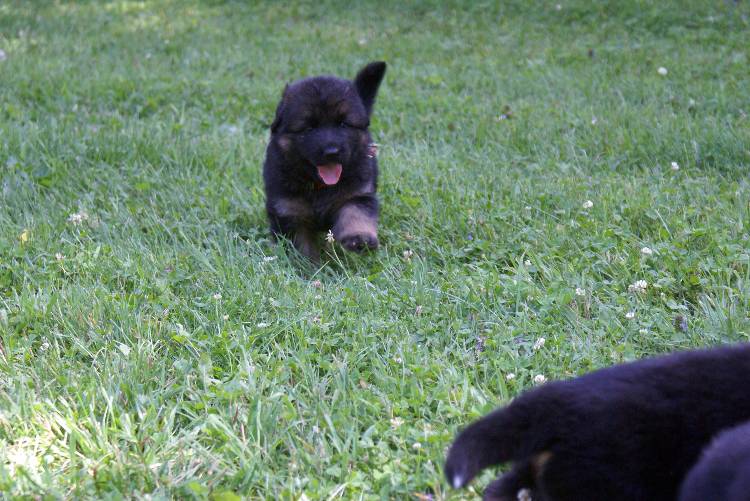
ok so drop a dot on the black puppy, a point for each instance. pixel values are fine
(622, 433)
(723, 472)
(320, 171)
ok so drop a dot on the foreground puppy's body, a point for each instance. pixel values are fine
(723, 472)
(320, 171)
(626, 432)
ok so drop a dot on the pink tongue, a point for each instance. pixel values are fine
(330, 173)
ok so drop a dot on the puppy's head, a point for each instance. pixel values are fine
(321, 122)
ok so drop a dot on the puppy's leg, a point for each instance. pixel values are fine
(516, 485)
(291, 218)
(356, 224)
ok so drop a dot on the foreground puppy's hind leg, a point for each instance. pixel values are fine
(356, 225)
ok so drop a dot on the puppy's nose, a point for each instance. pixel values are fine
(331, 151)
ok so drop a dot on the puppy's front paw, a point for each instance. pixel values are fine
(360, 242)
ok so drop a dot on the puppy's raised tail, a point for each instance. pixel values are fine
(515, 432)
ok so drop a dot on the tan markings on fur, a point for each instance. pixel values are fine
(539, 461)
(293, 207)
(352, 220)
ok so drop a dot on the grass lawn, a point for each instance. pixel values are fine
(154, 342)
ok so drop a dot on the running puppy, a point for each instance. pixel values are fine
(626, 432)
(320, 171)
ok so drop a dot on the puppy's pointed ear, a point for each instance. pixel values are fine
(367, 82)
(279, 111)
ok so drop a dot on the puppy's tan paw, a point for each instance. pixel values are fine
(360, 242)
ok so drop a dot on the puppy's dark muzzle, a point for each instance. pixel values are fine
(331, 153)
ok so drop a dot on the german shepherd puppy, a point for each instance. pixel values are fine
(320, 171)
(723, 472)
(626, 432)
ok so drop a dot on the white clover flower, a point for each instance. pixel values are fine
(539, 344)
(528, 207)
(630, 315)
(540, 379)
(398, 360)
(524, 494)
(580, 291)
(594, 120)
(416, 445)
(642, 331)
(662, 71)
(59, 256)
(527, 262)
(225, 317)
(510, 376)
(317, 284)
(329, 237)
(408, 254)
(262, 325)
(588, 204)
(268, 259)
(396, 422)
(638, 286)
(216, 296)
(44, 346)
(78, 218)
(674, 166)
(646, 251)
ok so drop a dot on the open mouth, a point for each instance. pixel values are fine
(329, 173)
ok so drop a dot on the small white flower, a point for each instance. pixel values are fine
(225, 317)
(362, 41)
(540, 379)
(317, 284)
(539, 344)
(588, 204)
(268, 259)
(396, 422)
(216, 296)
(528, 207)
(638, 286)
(408, 254)
(44, 346)
(642, 331)
(329, 237)
(398, 360)
(527, 262)
(580, 291)
(646, 251)
(558, 7)
(3, 55)
(594, 120)
(674, 166)
(524, 495)
(416, 445)
(630, 315)
(510, 376)
(78, 218)
(418, 310)
(262, 325)
(662, 71)
(59, 256)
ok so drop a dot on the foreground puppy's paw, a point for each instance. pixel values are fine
(360, 243)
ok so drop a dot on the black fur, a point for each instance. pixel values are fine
(723, 472)
(323, 121)
(622, 433)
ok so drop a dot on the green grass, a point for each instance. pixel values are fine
(121, 373)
